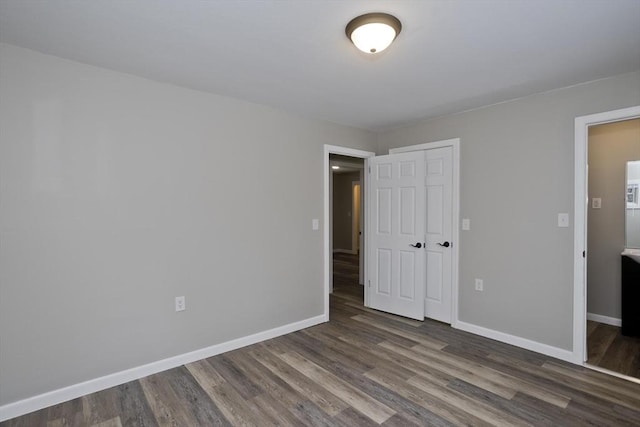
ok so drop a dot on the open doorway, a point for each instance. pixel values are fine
(349, 153)
(347, 175)
(583, 199)
(613, 229)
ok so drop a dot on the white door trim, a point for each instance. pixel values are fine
(582, 124)
(328, 256)
(455, 144)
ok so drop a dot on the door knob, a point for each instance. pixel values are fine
(445, 244)
(417, 245)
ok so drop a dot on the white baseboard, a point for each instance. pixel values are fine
(21, 407)
(545, 349)
(604, 319)
(345, 251)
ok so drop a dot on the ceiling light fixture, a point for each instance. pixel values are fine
(335, 167)
(373, 32)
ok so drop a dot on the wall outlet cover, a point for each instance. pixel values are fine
(181, 304)
(466, 224)
(563, 220)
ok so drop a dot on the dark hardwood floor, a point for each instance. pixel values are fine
(609, 349)
(362, 368)
(345, 276)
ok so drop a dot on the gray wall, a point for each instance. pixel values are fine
(342, 209)
(119, 193)
(516, 176)
(611, 146)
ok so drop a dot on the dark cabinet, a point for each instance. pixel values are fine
(630, 297)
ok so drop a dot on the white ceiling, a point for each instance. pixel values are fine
(293, 54)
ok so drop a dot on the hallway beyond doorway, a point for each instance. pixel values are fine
(345, 277)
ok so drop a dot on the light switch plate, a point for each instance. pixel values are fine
(563, 220)
(315, 224)
(181, 304)
(596, 203)
(466, 224)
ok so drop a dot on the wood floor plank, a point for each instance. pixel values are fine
(350, 342)
(406, 321)
(325, 352)
(164, 402)
(274, 412)
(598, 342)
(417, 414)
(620, 355)
(350, 417)
(310, 414)
(355, 398)
(596, 386)
(235, 376)
(510, 406)
(400, 420)
(193, 398)
(65, 414)
(273, 386)
(601, 415)
(99, 407)
(493, 376)
(413, 335)
(403, 367)
(591, 327)
(226, 398)
(364, 328)
(36, 418)
(432, 403)
(521, 374)
(477, 408)
(134, 409)
(580, 392)
(234, 406)
(206, 375)
(553, 412)
(449, 367)
(113, 422)
(313, 392)
(609, 349)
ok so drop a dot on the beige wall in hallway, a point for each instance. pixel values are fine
(611, 146)
(343, 209)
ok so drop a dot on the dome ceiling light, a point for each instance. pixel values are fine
(373, 32)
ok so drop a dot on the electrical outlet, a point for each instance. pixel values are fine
(466, 224)
(181, 304)
(596, 203)
(479, 285)
(563, 220)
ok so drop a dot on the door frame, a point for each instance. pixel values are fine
(327, 238)
(580, 207)
(454, 143)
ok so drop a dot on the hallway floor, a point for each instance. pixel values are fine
(609, 349)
